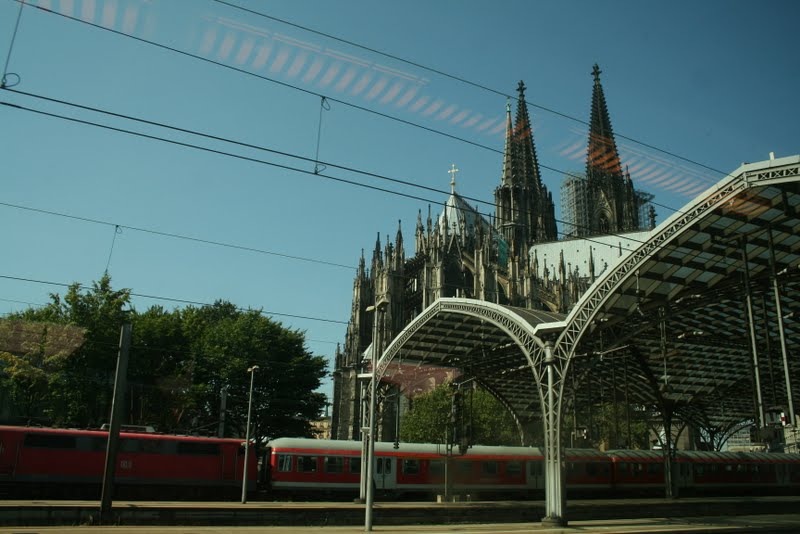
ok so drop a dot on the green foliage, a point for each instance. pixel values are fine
(481, 418)
(181, 362)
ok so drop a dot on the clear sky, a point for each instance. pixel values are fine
(714, 82)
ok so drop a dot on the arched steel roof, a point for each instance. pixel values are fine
(674, 311)
(688, 276)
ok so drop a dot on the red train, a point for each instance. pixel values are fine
(328, 467)
(40, 462)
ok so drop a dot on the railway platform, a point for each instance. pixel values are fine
(389, 515)
(703, 525)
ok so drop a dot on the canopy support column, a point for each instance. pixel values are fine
(555, 494)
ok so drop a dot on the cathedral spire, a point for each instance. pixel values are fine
(602, 155)
(507, 177)
(525, 148)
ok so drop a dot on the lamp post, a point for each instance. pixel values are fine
(252, 371)
(373, 386)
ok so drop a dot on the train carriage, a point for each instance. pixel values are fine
(40, 462)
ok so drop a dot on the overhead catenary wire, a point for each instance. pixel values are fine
(4, 81)
(329, 98)
(458, 79)
(350, 182)
(254, 160)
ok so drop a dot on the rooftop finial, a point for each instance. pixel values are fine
(452, 172)
(596, 73)
(521, 89)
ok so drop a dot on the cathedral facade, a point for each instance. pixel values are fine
(462, 253)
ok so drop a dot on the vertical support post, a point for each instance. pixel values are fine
(666, 416)
(223, 406)
(779, 313)
(753, 343)
(554, 479)
(120, 385)
(362, 490)
(373, 386)
(252, 371)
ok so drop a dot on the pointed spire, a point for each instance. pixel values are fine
(602, 156)
(377, 259)
(507, 178)
(398, 238)
(525, 148)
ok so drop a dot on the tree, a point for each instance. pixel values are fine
(80, 387)
(30, 355)
(181, 361)
(480, 417)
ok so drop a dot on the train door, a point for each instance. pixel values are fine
(384, 478)
(229, 456)
(535, 480)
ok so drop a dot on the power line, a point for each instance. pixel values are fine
(188, 145)
(246, 158)
(173, 299)
(458, 79)
(343, 102)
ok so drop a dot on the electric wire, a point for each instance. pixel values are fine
(350, 182)
(329, 98)
(255, 160)
(458, 79)
(4, 81)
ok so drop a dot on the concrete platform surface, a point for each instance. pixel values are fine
(707, 525)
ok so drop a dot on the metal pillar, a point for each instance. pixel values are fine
(373, 386)
(252, 371)
(112, 445)
(779, 312)
(555, 500)
(753, 343)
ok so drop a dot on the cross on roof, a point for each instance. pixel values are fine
(452, 172)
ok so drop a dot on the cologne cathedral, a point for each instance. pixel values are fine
(459, 253)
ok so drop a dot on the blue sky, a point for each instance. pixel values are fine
(714, 82)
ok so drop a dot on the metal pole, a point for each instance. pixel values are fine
(252, 371)
(362, 492)
(752, 329)
(779, 313)
(120, 384)
(373, 387)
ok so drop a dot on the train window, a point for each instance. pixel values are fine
(728, 468)
(699, 469)
(436, 468)
(387, 465)
(355, 464)
(334, 464)
(284, 463)
(465, 467)
(50, 441)
(306, 464)
(535, 469)
(489, 468)
(410, 467)
(97, 443)
(655, 469)
(514, 468)
(197, 448)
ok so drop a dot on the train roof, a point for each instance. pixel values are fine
(424, 449)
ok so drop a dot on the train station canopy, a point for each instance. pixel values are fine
(689, 319)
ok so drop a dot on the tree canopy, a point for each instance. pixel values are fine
(59, 369)
(443, 415)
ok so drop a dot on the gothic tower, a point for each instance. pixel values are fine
(524, 210)
(613, 205)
